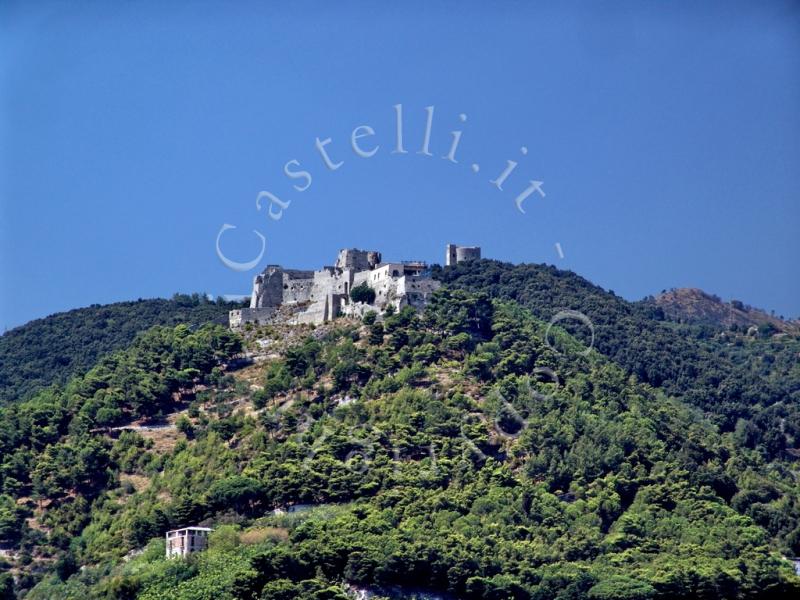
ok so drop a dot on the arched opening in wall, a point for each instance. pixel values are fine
(286, 286)
(395, 273)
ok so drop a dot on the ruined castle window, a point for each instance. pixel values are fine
(395, 273)
(286, 286)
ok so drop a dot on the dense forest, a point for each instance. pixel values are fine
(468, 450)
(747, 384)
(52, 350)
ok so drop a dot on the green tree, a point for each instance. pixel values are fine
(362, 293)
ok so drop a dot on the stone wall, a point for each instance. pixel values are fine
(298, 286)
(358, 260)
(268, 288)
(450, 255)
(332, 281)
(357, 309)
(464, 253)
(237, 318)
(415, 290)
(325, 309)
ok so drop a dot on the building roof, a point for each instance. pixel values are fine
(191, 529)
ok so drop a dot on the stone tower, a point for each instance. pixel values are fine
(358, 260)
(456, 254)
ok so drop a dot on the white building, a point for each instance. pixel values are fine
(182, 542)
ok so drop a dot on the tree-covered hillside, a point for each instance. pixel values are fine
(454, 451)
(53, 349)
(747, 384)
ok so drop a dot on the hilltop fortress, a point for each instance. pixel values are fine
(320, 296)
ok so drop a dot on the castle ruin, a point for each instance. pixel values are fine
(456, 254)
(320, 296)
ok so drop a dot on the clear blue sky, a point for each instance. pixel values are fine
(667, 136)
